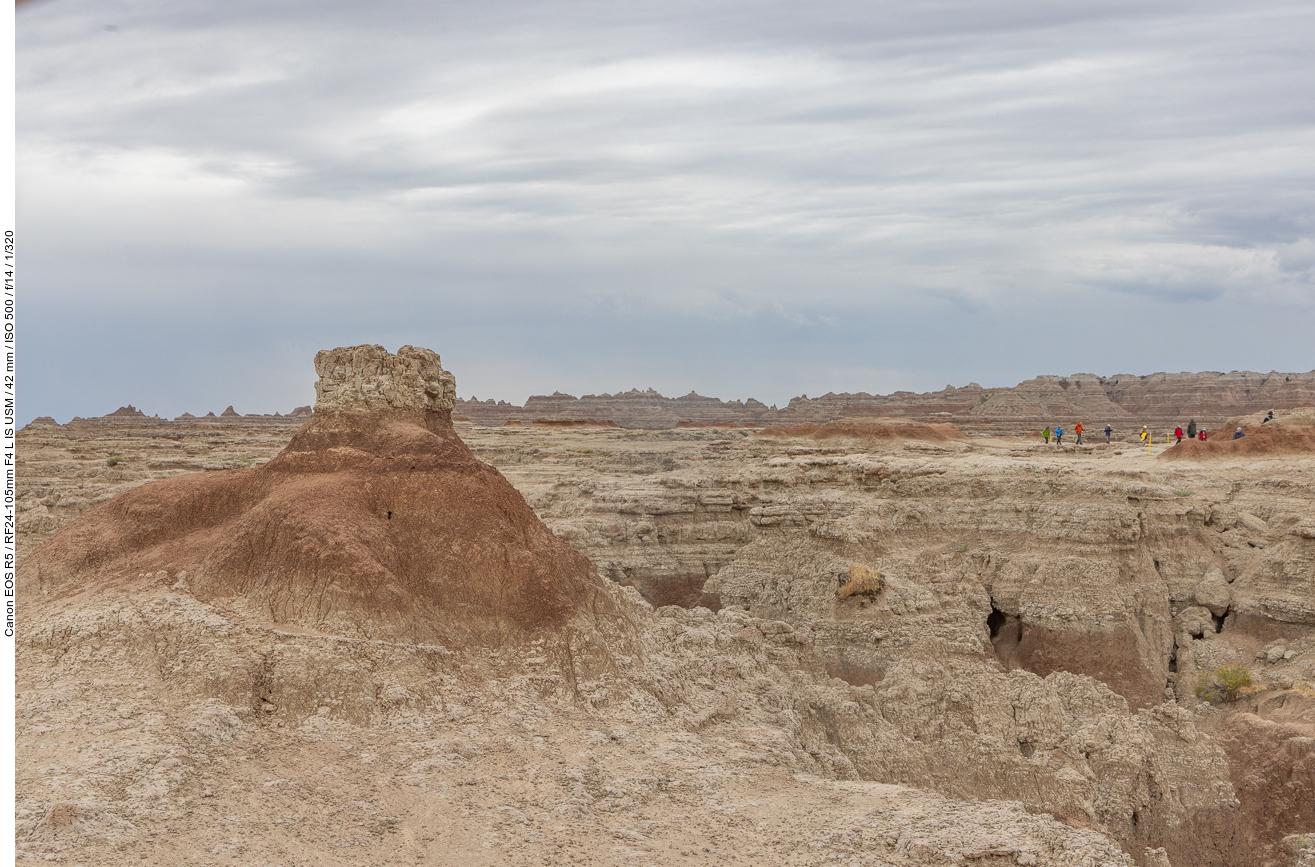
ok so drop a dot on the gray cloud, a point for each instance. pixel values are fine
(758, 176)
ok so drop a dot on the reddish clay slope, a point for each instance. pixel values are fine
(1292, 432)
(869, 429)
(375, 523)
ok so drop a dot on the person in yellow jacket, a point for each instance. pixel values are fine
(1145, 434)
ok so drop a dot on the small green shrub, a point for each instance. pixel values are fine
(115, 460)
(1224, 684)
(1182, 493)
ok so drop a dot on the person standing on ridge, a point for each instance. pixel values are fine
(1269, 417)
(1059, 435)
(1201, 435)
(1237, 434)
(1178, 432)
(1191, 429)
(1077, 429)
(1046, 433)
(1108, 430)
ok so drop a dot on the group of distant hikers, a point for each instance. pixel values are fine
(1145, 436)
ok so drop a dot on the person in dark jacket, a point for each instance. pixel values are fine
(1191, 429)
(1269, 417)
(1108, 430)
(1237, 434)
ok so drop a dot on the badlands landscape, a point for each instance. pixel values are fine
(376, 635)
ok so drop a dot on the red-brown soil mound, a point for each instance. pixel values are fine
(376, 524)
(1292, 433)
(869, 429)
(573, 422)
(700, 425)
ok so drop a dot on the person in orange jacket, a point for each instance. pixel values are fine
(1178, 432)
(1077, 429)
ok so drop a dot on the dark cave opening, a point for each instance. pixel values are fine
(1219, 621)
(1006, 634)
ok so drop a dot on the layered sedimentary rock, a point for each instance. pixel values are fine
(869, 430)
(1033, 629)
(631, 409)
(128, 411)
(374, 520)
(1125, 401)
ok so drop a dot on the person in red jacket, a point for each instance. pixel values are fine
(1178, 432)
(1201, 435)
(1077, 429)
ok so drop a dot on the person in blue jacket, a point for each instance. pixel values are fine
(1108, 430)
(1059, 435)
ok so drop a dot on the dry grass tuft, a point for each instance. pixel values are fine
(862, 582)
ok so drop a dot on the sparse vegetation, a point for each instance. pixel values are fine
(862, 581)
(1225, 684)
(1182, 493)
(115, 460)
(963, 549)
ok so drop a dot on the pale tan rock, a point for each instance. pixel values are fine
(1278, 583)
(763, 712)
(1194, 621)
(1156, 858)
(1252, 523)
(368, 378)
(1214, 593)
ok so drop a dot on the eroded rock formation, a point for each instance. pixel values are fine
(375, 520)
(894, 650)
(1124, 400)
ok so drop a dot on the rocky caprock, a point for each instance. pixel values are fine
(374, 521)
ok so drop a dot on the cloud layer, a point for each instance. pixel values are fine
(747, 199)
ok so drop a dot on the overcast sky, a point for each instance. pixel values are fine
(743, 199)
